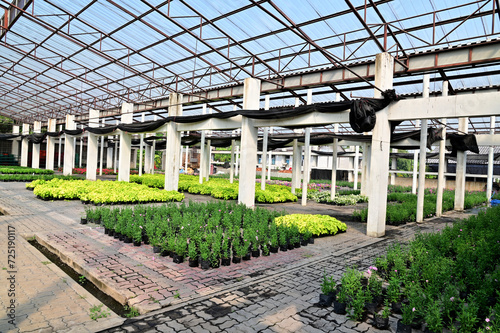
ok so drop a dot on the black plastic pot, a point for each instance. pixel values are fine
(178, 259)
(339, 308)
(205, 264)
(193, 262)
(83, 220)
(156, 249)
(226, 261)
(256, 253)
(380, 323)
(137, 243)
(273, 249)
(326, 300)
(403, 328)
(247, 256)
(236, 260)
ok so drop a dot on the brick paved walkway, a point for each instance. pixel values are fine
(268, 294)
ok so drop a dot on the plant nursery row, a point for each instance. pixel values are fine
(212, 233)
(449, 280)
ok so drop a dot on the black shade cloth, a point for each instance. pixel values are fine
(53, 134)
(73, 132)
(101, 130)
(463, 142)
(362, 116)
(8, 136)
(329, 153)
(147, 126)
(36, 138)
(273, 144)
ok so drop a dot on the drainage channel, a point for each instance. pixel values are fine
(107, 300)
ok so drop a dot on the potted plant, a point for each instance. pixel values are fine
(408, 316)
(137, 234)
(83, 218)
(273, 238)
(239, 250)
(180, 249)
(226, 252)
(255, 247)
(381, 318)
(193, 254)
(340, 301)
(246, 245)
(283, 238)
(327, 295)
(394, 294)
(205, 254)
(216, 250)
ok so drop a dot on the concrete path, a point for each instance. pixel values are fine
(269, 294)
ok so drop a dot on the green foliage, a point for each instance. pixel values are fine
(315, 224)
(131, 311)
(101, 192)
(24, 170)
(328, 284)
(97, 312)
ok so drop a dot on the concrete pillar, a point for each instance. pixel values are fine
(356, 166)
(394, 166)
(264, 149)
(365, 172)
(489, 181)
(125, 143)
(109, 158)
(92, 146)
(415, 167)
(15, 142)
(173, 144)
(116, 151)
(80, 157)
(423, 157)
(60, 148)
(297, 156)
(461, 166)
(51, 145)
(202, 150)
(69, 146)
(334, 163)
(101, 155)
(441, 181)
(25, 146)
(35, 156)
(307, 162)
(251, 100)
(270, 159)
(141, 147)
(231, 170)
(237, 165)
(379, 172)
(147, 159)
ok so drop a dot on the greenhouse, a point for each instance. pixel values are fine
(253, 166)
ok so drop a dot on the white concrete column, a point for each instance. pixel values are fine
(461, 166)
(356, 166)
(270, 158)
(51, 145)
(415, 166)
(264, 148)
(15, 141)
(25, 146)
(231, 170)
(147, 159)
(116, 150)
(251, 101)
(35, 156)
(125, 143)
(203, 154)
(379, 172)
(92, 146)
(423, 157)
(69, 146)
(80, 157)
(489, 181)
(394, 166)
(109, 157)
(237, 165)
(307, 162)
(365, 172)
(101, 155)
(441, 181)
(173, 144)
(141, 148)
(333, 188)
(297, 156)
(60, 148)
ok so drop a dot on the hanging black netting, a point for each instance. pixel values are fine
(463, 142)
(362, 116)
(73, 132)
